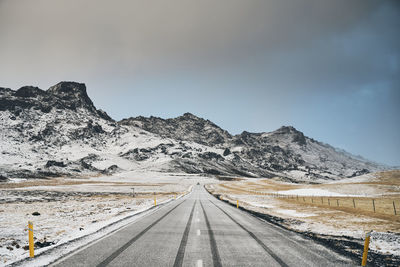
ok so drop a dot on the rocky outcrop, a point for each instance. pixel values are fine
(187, 127)
(64, 95)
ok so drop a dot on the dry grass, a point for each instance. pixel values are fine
(384, 207)
(337, 212)
(67, 181)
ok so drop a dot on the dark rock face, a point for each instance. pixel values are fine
(29, 91)
(86, 162)
(137, 155)
(226, 152)
(72, 93)
(211, 156)
(3, 178)
(5, 91)
(51, 163)
(110, 170)
(360, 172)
(64, 95)
(186, 127)
(297, 136)
(43, 244)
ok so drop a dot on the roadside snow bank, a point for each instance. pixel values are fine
(386, 242)
(62, 217)
(294, 213)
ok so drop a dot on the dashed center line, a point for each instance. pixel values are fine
(199, 263)
(198, 231)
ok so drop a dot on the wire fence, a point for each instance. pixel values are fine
(383, 205)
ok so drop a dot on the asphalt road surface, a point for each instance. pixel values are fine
(199, 230)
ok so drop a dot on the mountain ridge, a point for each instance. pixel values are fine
(60, 132)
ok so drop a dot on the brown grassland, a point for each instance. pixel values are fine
(355, 211)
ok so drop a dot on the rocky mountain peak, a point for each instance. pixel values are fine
(291, 132)
(71, 91)
(189, 115)
(187, 127)
(287, 130)
(5, 91)
(29, 91)
(64, 95)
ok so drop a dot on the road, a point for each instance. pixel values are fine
(199, 230)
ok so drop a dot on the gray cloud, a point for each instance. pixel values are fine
(137, 36)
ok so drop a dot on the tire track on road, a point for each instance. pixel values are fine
(267, 249)
(181, 251)
(214, 249)
(130, 242)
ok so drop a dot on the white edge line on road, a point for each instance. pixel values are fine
(143, 215)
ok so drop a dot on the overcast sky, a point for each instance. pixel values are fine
(329, 68)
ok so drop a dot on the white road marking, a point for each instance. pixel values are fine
(198, 220)
(198, 231)
(199, 263)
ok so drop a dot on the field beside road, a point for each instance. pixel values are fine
(340, 208)
(66, 209)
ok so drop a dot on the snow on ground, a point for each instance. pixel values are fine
(312, 192)
(70, 211)
(385, 237)
(382, 242)
(357, 179)
(62, 217)
(388, 243)
(294, 213)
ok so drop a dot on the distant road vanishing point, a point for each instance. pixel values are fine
(199, 230)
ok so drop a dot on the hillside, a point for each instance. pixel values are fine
(59, 131)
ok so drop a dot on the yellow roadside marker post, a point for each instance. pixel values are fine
(237, 203)
(155, 201)
(366, 245)
(30, 234)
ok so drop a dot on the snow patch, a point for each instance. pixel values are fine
(312, 192)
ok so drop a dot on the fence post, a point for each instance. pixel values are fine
(354, 203)
(366, 245)
(329, 202)
(312, 200)
(337, 202)
(394, 208)
(373, 203)
(322, 200)
(31, 244)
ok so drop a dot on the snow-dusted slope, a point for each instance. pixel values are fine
(289, 152)
(60, 132)
(186, 127)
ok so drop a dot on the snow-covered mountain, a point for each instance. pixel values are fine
(60, 132)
